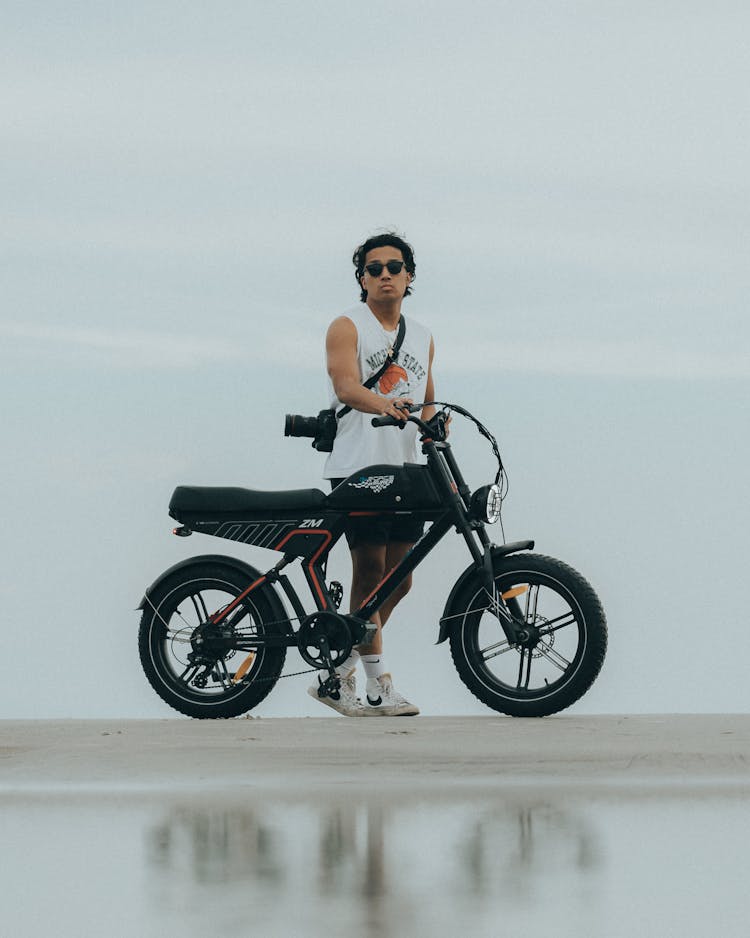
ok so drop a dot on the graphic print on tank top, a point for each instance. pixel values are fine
(357, 443)
(394, 383)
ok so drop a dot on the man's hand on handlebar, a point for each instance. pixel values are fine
(398, 407)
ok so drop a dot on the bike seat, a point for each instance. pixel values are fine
(196, 499)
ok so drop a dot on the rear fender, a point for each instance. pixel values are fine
(267, 590)
(446, 620)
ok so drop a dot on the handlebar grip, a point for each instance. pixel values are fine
(385, 421)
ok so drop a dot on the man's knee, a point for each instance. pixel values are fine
(402, 589)
(368, 566)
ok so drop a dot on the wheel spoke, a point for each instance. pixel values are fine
(559, 623)
(189, 670)
(524, 659)
(492, 651)
(177, 637)
(248, 627)
(200, 607)
(532, 598)
(553, 656)
(226, 681)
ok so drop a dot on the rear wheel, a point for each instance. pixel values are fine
(197, 668)
(565, 644)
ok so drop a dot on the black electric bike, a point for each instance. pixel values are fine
(527, 633)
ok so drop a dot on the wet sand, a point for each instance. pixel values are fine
(326, 753)
(609, 825)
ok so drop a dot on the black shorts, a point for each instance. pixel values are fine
(381, 529)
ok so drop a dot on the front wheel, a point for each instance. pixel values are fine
(565, 645)
(207, 672)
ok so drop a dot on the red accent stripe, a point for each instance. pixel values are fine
(312, 560)
(324, 545)
(386, 577)
(218, 616)
(286, 537)
(363, 514)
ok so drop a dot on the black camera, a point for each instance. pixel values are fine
(321, 428)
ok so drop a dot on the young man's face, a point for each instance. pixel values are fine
(385, 285)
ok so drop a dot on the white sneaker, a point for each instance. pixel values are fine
(344, 701)
(383, 700)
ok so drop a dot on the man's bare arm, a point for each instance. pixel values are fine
(429, 393)
(341, 354)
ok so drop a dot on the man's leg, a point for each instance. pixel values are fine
(369, 565)
(368, 569)
(394, 554)
(370, 562)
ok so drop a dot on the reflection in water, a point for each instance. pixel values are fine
(339, 863)
(373, 865)
(546, 837)
(213, 845)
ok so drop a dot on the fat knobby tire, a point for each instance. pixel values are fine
(154, 653)
(585, 666)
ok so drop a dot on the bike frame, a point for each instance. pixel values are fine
(318, 542)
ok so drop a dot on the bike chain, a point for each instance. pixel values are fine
(265, 680)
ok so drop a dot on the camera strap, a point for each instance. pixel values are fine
(390, 359)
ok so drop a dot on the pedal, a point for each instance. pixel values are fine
(330, 687)
(336, 591)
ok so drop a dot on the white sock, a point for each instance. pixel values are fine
(346, 668)
(374, 666)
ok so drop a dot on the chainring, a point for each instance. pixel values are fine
(324, 639)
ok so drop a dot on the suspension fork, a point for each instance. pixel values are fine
(454, 482)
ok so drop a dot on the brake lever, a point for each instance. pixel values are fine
(436, 426)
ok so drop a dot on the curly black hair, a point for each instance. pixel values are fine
(388, 239)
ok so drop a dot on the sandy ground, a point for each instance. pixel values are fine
(87, 756)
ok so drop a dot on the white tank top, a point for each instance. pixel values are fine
(357, 442)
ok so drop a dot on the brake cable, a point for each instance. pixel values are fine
(501, 476)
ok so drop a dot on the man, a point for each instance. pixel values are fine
(357, 345)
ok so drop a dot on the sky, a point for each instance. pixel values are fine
(182, 190)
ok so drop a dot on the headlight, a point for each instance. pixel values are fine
(486, 504)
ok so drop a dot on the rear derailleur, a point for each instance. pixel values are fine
(209, 644)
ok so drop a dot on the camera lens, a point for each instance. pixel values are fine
(294, 425)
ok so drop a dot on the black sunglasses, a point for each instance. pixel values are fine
(376, 268)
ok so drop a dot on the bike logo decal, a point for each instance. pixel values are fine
(311, 523)
(375, 483)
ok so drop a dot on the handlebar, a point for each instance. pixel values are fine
(428, 432)
(437, 433)
(385, 421)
